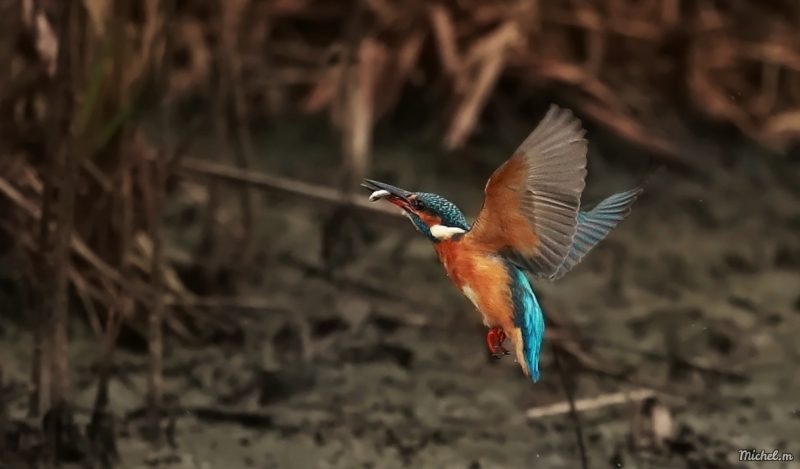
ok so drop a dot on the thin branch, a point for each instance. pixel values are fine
(157, 184)
(569, 390)
(43, 306)
(588, 404)
(66, 160)
(80, 248)
(356, 93)
(233, 105)
(194, 167)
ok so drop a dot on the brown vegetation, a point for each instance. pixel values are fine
(620, 61)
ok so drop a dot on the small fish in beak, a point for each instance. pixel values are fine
(379, 194)
(395, 195)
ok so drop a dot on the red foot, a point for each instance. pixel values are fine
(494, 339)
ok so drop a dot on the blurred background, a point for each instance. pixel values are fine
(191, 277)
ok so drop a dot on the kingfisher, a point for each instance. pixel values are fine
(530, 224)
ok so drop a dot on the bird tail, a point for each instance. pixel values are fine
(529, 320)
(594, 226)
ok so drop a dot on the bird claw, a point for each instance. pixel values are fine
(494, 339)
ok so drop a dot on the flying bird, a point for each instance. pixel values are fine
(530, 224)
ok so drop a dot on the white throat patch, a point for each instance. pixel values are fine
(445, 232)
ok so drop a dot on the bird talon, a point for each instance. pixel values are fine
(494, 340)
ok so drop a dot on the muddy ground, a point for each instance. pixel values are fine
(696, 295)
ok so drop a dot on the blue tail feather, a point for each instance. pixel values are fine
(529, 318)
(594, 226)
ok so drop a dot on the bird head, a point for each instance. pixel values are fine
(434, 216)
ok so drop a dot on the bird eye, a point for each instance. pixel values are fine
(418, 204)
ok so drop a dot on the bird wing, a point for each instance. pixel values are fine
(531, 202)
(594, 226)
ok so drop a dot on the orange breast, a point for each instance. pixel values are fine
(482, 278)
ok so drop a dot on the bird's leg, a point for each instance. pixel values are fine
(494, 339)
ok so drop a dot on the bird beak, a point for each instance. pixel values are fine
(392, 194)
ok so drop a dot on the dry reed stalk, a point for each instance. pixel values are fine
(63, 162)
(65, 165)
(105, 271)
(386, 12)
(106, 275)
(154, 178)
(570, 384)
(397, 72)
(488, 55)
(47, 47)
(324, 91)
(360, 95)
(353, 100)
(101, 430)
(445, 39)
(628, 128)
(155, 384)
(230, 63)
(207, 249)
(42, 308)
(47, 44)
(720, 39)
(100, 12)
(5, 419)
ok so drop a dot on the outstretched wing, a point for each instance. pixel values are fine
(531, 202)
(594, 226)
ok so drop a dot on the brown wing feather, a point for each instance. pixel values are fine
(532, 201)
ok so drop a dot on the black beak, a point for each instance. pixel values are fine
(381, 190)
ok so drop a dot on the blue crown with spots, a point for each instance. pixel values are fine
(443, 209)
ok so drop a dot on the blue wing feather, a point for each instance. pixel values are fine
(528, 316)
(594, 226)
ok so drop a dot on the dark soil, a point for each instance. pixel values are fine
(380, 363)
